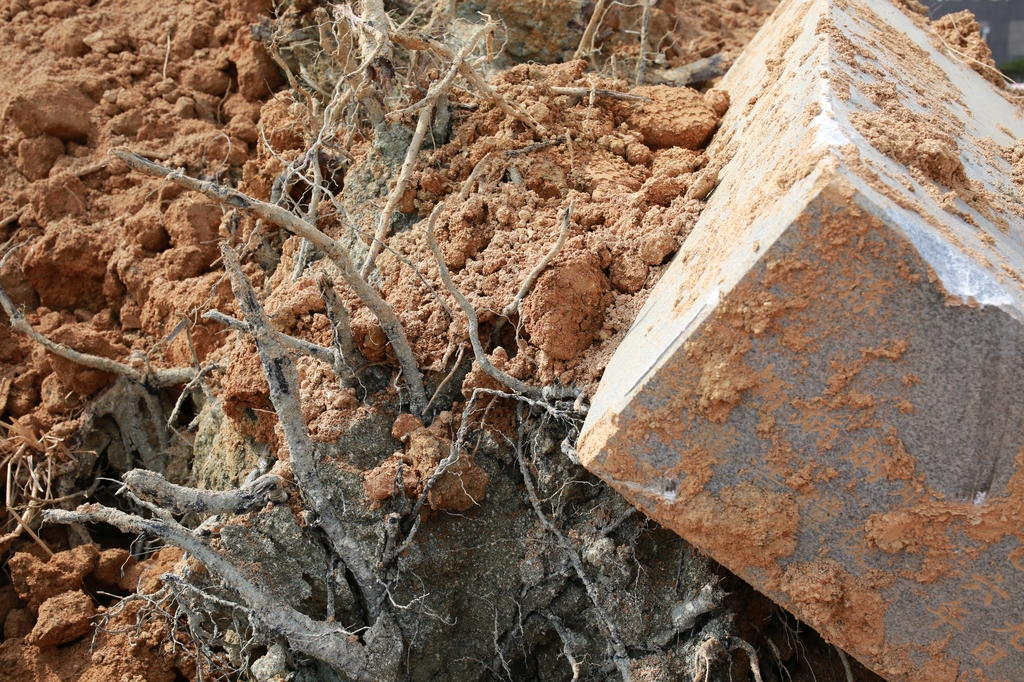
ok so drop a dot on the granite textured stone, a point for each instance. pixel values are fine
(825, 391)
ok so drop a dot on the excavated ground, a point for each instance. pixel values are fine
(122, 266)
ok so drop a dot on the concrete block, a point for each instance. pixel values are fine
(825, 391)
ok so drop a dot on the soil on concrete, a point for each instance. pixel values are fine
(114, 264)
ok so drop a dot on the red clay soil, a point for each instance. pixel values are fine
(48, 618)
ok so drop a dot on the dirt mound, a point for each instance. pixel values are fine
(106, 261)
(111, 265)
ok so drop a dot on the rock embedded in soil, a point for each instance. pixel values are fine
(36, 580)
(825, 391)
(676, 117)
(36, 155)
(62, 619)
(52, 108)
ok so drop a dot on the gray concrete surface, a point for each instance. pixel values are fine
(825, 391)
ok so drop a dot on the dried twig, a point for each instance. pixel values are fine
(513, 307)
(189, 387)
(441, 86)
(645, 32)
(302, 258)
(11, 218)
(586, 45)
(474, 321)
(412, 266)
(373, 36)
(159, 379)
(967, 58)
(28, 529)
(167, 56)
(599, 92)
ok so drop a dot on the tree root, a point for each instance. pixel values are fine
(347, 358)
(154, 488)
(326, 642)
(516, 303)
(741, 644)
(846, 664)
(301, 345)
(367, 294)
(564, 635)
(384, 226)
(424, 43)
(467, 186)
(132, 388)
(426, 107)
(283, 379)
(621, 656)
(707, 600)
(474, 321)
(139, 430)
(161, 378)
